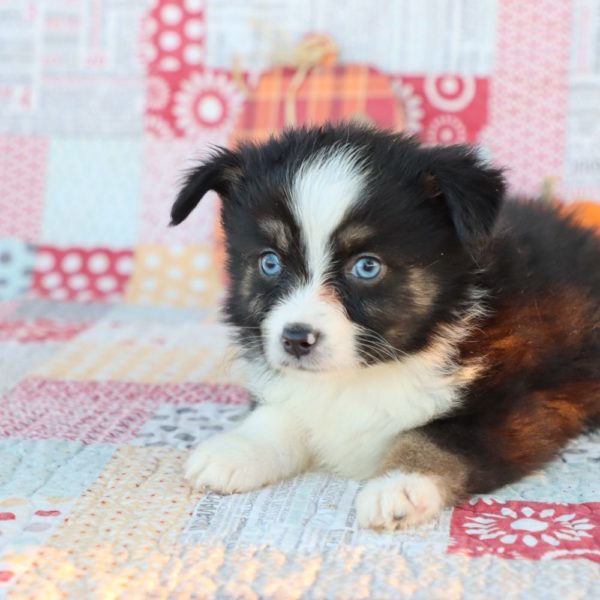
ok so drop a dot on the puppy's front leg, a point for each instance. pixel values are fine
(268, 446)
(417, 480)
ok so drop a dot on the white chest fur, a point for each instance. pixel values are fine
(349, 420)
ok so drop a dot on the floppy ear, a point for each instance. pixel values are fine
(219, 173)
(471, 189)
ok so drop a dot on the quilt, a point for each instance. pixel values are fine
(113, 361)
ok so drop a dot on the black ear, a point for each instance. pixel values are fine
(471, 189)
(219, 173)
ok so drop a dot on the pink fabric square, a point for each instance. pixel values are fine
(88, 411)
(97, 411)
(527, 530)
(196, 393)
(8, 307)
(22, 185)
(529, 91)
(40, 330)
(165, 164)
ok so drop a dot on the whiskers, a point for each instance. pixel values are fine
(247, 340)
(376, 347)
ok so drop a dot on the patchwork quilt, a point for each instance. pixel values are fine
(113, 363)
(100, 404)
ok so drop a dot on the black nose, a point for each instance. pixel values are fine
(299, 339)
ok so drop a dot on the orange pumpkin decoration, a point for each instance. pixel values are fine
(586, 213)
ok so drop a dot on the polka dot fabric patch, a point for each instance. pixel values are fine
(180, 276)
(174, 39)
(81, 274)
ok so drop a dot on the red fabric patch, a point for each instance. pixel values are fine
(183, 99)
(527, 530)
(454, 108)
(40, 330)
(6, 576)
(82, 274)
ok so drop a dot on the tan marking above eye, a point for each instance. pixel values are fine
(354, 235)
(277, 232)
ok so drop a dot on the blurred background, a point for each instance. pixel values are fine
(103, 104)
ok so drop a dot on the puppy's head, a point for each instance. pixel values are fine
(346, 246)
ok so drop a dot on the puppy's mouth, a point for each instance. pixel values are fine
(292, 364)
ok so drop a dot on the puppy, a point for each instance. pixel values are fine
(399, 322)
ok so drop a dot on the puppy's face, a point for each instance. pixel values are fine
(346, 246)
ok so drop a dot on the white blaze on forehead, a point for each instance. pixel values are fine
(325, 188)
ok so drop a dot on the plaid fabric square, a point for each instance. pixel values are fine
(334, 93)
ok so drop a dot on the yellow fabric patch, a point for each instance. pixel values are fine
(184, 276)
(85, 360)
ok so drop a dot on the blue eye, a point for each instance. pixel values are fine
(366, 267)
(270, 264)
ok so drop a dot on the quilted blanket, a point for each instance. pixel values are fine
(100, 404)
(113, 363)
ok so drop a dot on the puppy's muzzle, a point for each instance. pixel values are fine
(298, 339)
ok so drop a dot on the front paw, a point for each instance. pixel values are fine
(398, 500)
(229, 463)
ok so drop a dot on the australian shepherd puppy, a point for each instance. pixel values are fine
(399, 321)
